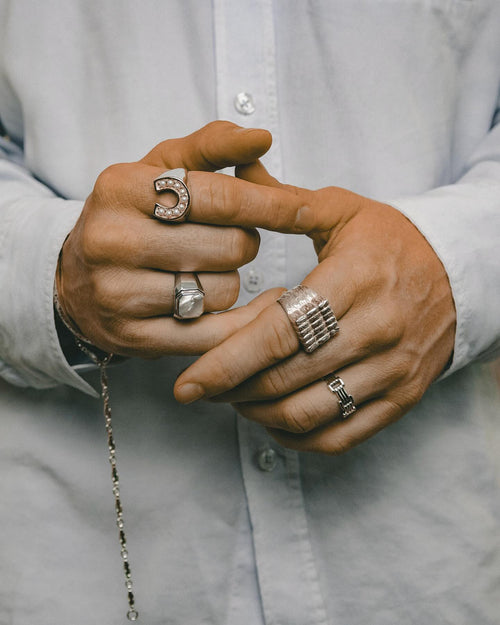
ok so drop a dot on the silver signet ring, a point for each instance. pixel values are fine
(189, 296)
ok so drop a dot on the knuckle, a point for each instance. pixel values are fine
(107, 180)
(125, 338)
(219, 125)
(230, 290)
(382, 330)
(272, 383)
(282, 341)
(232, 200)
(108, 292)
(385, 330)
(215, 205)
(415, 392)
(109, 188)
(90, 241)
(299, 418)
(402, 369)
(400, 402)
(97, 241)
(279, 212)
(243, 245)
(336, 445)
(204, 141)
(228, 373)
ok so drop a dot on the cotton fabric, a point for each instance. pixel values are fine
(396, 100)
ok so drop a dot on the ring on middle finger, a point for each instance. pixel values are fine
(311, 315)
(173, 180)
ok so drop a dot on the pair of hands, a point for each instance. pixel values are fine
(386, 286)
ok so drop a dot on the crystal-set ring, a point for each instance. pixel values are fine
(189, 296)
(311, 316)
(346, 401)
(173, 180)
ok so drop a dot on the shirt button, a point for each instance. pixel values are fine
(267, 459)
(244, 103)
(253, 281)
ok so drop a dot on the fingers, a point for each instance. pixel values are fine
(224, 200)
(315, 405)
(301, 369)
(218, 199)
(322, 209)
(161, 336)
(271, 339)
(258, 174)
(142, 293)
(340, 436)
(258, 201)
(215, 146)
(264, 341)
(183, 247)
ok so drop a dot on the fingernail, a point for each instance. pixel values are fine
(303, 218)
(189, 392)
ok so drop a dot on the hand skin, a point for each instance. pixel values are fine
(116, 272)
(396, 314)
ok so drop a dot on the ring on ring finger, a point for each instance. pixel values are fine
(337, 387)
(189, 296)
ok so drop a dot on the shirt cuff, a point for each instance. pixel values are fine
(31, 352)
(462, 224)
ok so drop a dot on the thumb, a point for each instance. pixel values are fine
(323, 209)
(256, 172)
(215, 146)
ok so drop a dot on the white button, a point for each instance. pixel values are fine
(267, 459)
(253, 281)
(244, 103)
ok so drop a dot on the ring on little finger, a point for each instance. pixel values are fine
(173, 180)
(346, 401)
(311, 316)
(189, 296)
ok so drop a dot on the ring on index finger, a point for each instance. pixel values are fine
(173, 180)
(311, 316)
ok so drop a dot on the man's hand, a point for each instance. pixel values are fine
(117, 268)
(396, 314)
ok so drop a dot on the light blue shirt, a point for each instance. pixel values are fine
(394, 99)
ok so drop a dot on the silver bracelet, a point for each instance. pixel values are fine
(85, 346)
(66, 319)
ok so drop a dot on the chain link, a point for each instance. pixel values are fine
(102, 363)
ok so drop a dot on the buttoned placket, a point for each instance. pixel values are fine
(247, 95)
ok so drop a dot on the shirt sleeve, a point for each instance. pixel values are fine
(462, 223)
(33, 226)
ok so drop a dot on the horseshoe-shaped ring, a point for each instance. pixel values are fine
(173, 180)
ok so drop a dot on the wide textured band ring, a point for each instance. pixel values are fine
(173, 180)
(311, 316)
(189, 296)
(346, 402)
